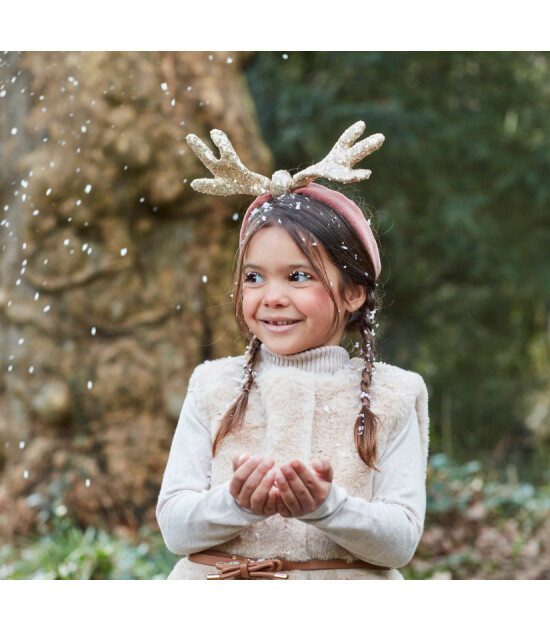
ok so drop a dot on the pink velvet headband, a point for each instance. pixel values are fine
(339, 203)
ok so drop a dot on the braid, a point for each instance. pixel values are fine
(234, 416)
(367, 423)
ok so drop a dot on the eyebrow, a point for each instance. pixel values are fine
(295, 266)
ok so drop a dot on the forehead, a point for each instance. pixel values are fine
(271, 238)
(274, 247)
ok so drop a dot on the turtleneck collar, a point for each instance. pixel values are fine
(326, 359)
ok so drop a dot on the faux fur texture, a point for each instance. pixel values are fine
(296, 414)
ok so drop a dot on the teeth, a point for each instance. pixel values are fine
(280, 323)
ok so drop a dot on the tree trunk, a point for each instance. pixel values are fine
(115, 277)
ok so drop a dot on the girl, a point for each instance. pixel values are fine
(295, 461)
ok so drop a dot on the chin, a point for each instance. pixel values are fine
(283, 348)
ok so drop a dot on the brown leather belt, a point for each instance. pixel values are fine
(240, 567)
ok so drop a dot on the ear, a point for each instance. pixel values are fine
(355, 297)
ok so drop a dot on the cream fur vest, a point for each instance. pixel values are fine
(293, 413)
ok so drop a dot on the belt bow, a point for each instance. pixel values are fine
(247, 569)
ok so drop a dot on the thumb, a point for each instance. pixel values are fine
(323, 469)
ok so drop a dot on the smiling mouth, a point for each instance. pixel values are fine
(280, 326)
(281, 322)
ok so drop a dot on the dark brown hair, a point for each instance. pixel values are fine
(314, 226)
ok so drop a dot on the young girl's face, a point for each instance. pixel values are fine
(284, 302)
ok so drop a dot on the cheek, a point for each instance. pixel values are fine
(249, 304)
(319, 302)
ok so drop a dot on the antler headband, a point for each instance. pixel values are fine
(231, 177)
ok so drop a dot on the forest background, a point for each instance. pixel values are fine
(115, 281)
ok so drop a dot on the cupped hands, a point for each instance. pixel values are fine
(293, 491)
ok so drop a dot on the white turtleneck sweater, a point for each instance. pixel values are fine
(385, 531)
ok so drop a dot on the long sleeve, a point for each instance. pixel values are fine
(191, 515)
(386, 530)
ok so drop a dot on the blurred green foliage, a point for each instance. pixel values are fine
(69, 553)
(453, 488)
(465, 501)
(460, 193)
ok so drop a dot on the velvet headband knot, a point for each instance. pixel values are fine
(340, 204)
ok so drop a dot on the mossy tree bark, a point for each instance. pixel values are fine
(115, 277)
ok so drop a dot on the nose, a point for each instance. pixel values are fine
(275, 295)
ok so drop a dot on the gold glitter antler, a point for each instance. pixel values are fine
(337, 165)
(231, 177)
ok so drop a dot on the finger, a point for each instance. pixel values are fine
(238, 460)
(241, 475)
(281, 507)
(306, 485)
(318, 486)
(286, 495)
(270, 503)
(253, 481)
(270, 506)
(259, 496)
(296, 496)
(323, 469)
